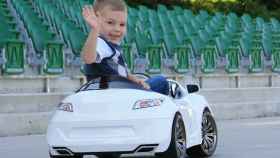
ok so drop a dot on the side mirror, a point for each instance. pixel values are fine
(192, 88)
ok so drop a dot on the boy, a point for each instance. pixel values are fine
(102, 51)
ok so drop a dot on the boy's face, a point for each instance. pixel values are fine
(113, 24)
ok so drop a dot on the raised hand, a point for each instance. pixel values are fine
(90, 17)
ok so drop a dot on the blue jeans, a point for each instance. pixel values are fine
(158, 84)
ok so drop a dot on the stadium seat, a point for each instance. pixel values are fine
(267, 47)
(209, 59)
(276, 60)
(222, 44)
(246, 45)
(197, 44)
(180, 53)
(44, 40)
(232, 59)
(54, 58)
(255, 60)
(275, 24)
(129, 57)
(12, 48)
(14, 52)
(151, 52)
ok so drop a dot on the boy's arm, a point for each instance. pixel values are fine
(89, 49)
(138, 81)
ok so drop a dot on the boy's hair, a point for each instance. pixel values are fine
(116, 5)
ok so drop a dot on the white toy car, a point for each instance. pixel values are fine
(112, 116)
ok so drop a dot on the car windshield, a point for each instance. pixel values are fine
(110, 82)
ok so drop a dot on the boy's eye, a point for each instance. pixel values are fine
(110, 22)
(122, 25)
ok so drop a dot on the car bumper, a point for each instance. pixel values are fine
(123, 136)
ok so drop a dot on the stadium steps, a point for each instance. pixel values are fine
(246, 109)
(39, 84)
(30, 103)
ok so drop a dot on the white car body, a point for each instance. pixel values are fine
(106, 121)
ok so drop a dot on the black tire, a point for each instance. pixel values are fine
(209, 138)
(107, 155)
(177, 147)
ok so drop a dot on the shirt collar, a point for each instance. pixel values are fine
(114, 45)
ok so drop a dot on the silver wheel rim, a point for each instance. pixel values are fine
(209, 134)
(180, 139)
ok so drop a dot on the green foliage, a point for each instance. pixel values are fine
(262, 8)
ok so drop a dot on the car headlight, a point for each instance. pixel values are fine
(68, 107)
(146, 103)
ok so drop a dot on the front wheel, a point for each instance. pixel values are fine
(177, 147)
(209, 138)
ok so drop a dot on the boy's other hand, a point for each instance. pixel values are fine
(144, 84)
(90, 17)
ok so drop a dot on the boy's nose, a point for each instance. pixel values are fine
(117, 28)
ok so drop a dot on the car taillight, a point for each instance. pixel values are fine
(146, 103)
(68, 107)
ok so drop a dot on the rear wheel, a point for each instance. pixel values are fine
(107, 155)
(177, 147)
(209, 138)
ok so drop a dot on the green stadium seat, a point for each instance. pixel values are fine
(156, 35)
(182, 57)
(154, 56)
(179, 52)
(276, 60)
(154, 20)
(204, 35)
(208, 58)
(13, 54)
(74, 37)
(204, 14)
(152, 52)
(162, 9)
(260, 23)
(179, 10)
(129, 58)
(255, 60)
(246, 45)
(232, 59)
(275, 24)
(189, 29)
(197, 44)
(133, 11)
(130, 36)
(267, 46)
(54, 58)
(222, 44)
(45, 42)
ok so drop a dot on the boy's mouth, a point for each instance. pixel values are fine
(114, 36)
